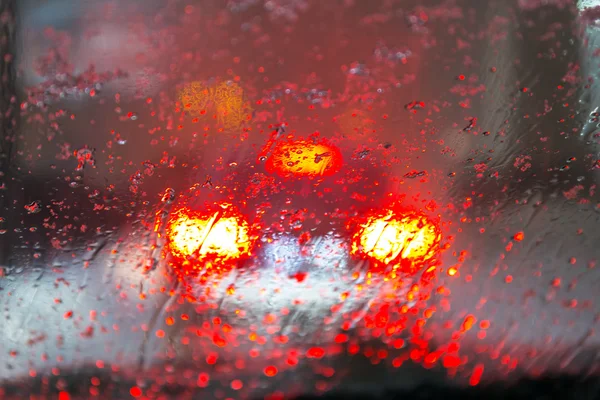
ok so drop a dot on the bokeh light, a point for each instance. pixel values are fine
(304, 158)
(226, 102)
(218, 235)
(405, 241)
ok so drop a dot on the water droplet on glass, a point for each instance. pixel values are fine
(414, 174)
(34, 207)
(168, 196)
(84, 156)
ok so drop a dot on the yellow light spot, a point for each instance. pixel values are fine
(393, 239)
(215, 235)
(304, 158)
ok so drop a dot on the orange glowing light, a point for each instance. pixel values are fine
(405, 241)
(220, 234)
(227, 101)
(304, 158)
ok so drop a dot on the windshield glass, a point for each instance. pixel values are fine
(250, 198)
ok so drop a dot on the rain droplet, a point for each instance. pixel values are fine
(34, 207)
(414, 174)
(472, 124)
(168, 196)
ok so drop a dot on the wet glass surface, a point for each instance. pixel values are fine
(252, 198)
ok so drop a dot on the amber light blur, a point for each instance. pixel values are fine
(304, 158)
(226, 98)
(220, 234)
(405, 241)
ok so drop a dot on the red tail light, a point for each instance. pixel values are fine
(304, 158)
(219, 235)
(404, 241)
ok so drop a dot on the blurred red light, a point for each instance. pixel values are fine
(405, 241)
(208, 239)
(304, 158)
